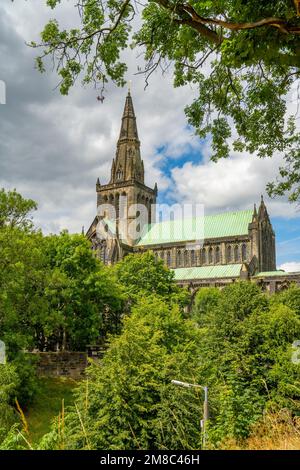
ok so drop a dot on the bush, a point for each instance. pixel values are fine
(129, 401)
(28, 384)
(246, 355)
(8, 386)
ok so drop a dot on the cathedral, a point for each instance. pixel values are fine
(234, 245)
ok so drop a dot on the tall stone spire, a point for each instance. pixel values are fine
(126, 190)
(128, 127)
(262, 211)
(128, 164)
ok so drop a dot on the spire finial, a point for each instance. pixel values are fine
(128, 156)
(129, 86)
(262, 198)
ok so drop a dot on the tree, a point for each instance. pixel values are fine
(243, 353)
(246, 356)
(8, 386)
(83, 295)
(54, 293)
(128, 401)
(143, 274)
(205, 301)
(289, 297)
(23, 272)
(242, 56)
(15, 210)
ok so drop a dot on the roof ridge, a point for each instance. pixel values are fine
(248, 211)
(195, 228)
(231, 212)
(208, 271)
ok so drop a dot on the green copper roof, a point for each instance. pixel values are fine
(271, 273)
(208, 272)
(228, 224)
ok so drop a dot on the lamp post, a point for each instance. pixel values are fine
(205, 404)
(2, 353)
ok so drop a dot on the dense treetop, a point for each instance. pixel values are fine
(15, 211)
(55, 295)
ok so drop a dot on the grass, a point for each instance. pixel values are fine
(277, 431)
(47, 404)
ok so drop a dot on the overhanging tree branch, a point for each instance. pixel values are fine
(188, 15)
(279, 23)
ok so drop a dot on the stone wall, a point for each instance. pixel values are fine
(62, 364)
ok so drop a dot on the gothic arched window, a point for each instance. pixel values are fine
(218, 258)
(150, 211)
(119, 174)
(229, 254)
(236, 253)
(204, 260)
(168, 258)
(179, 258)
(244, 252)
(186, 258)
(210, 255)
(193, 259)
(117, 205)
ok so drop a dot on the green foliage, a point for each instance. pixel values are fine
(143, 275)
(247, 351)
(105, 57)
(8, 382)
(205, 300)
(243, 57)
(54, 293)
(242, 351)
(52, 397)
(28, 383)
(22, 277)
(15, 210)
(8, 386)
(83, 295)
(129, 401)
(289, 297)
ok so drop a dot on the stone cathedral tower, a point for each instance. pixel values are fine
(125, 190)
(236, 245)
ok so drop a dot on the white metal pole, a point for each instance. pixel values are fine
(205, 405)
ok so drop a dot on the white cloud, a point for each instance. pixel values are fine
(53, 148)
(233, 183)
(291, 267)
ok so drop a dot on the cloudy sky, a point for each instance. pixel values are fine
(53, 148)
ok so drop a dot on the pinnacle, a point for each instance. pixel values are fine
(128, 127)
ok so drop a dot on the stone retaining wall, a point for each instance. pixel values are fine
(62, 364)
